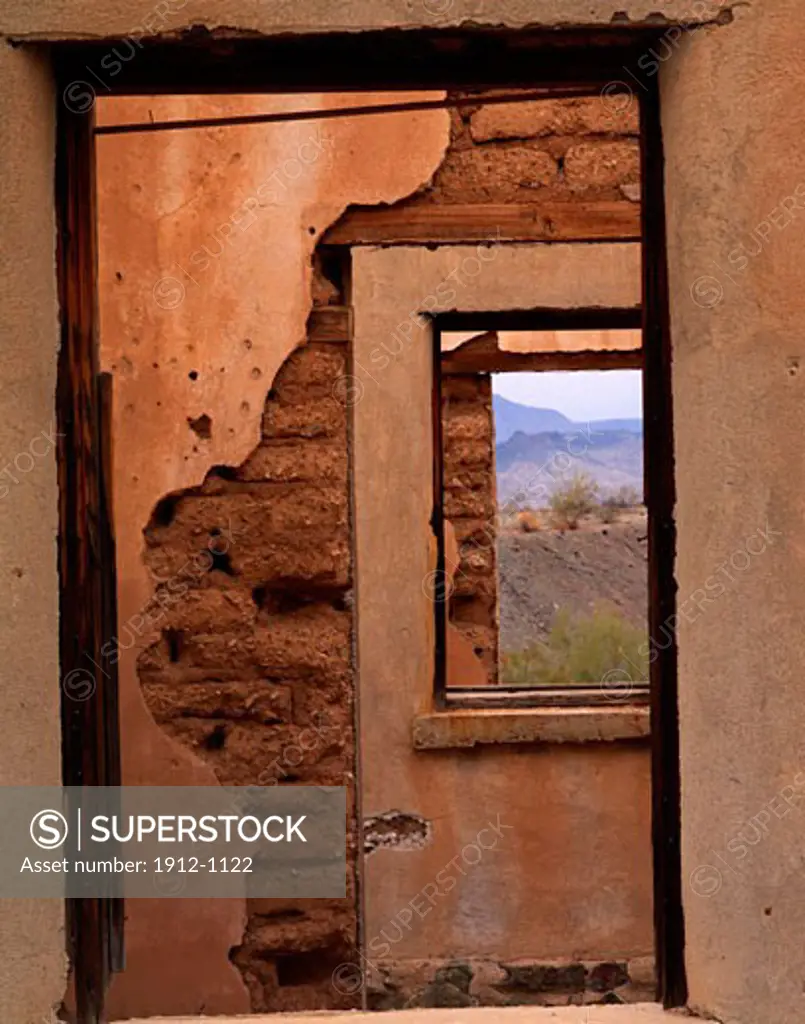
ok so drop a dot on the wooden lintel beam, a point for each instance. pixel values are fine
(613, 220)
(485, 357)
(330, 324)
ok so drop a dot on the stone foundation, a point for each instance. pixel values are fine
(484, 982)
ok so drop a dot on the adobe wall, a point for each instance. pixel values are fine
(235, 575)
(724, 163)
(33, 963)
(734, 129)
(231, 497)
(540, 151)
(470, 509)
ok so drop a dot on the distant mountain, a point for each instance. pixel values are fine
(633, 426)
(513, 416)
(535, 465)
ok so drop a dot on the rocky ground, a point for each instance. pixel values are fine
(549, 569)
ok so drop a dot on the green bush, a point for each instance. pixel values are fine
(576, 499)
(581, 649)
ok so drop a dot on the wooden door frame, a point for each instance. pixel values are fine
(85, 538)
(87, 577)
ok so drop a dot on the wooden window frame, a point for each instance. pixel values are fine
(536, 695)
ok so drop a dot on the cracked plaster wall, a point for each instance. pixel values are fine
(206, 241)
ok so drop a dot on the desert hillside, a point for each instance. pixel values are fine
(536, 465)
(541, 572)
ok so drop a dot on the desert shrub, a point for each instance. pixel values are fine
(581, 649)
(608, 510)
(576, 499)
(625, 497)
(528, 521)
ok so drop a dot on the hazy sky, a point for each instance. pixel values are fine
(579, 394)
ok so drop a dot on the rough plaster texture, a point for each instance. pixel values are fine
(57, 19)
(206, 243)
(734, 127)
(31, 933)
(584, 810)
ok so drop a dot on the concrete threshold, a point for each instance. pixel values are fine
(639, 1013)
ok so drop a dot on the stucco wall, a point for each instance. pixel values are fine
(734, 127)
(32, 964)
(569, 875)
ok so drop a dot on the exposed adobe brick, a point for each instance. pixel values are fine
(471, 452)
(323, 461)
(204, 606)
(263, 701)
(282, 934)
(478, 586)
(476, 611)
(501, 174)
(463, 424)
(469, 502)
(287, 531)
(309, 373)
(239, 513)
(477, 561)
(475, 532)
(252, 668)
(476, 504)
(589, 115)
(275, 988)
(278, 909)
(319, 417)
(285, 647)
(602, 164)
(403, 983)
(260, 753)
(467, 387)
(465, 479)
(514, 153)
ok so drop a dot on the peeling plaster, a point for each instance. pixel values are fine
(199, 310)
(396, 830)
